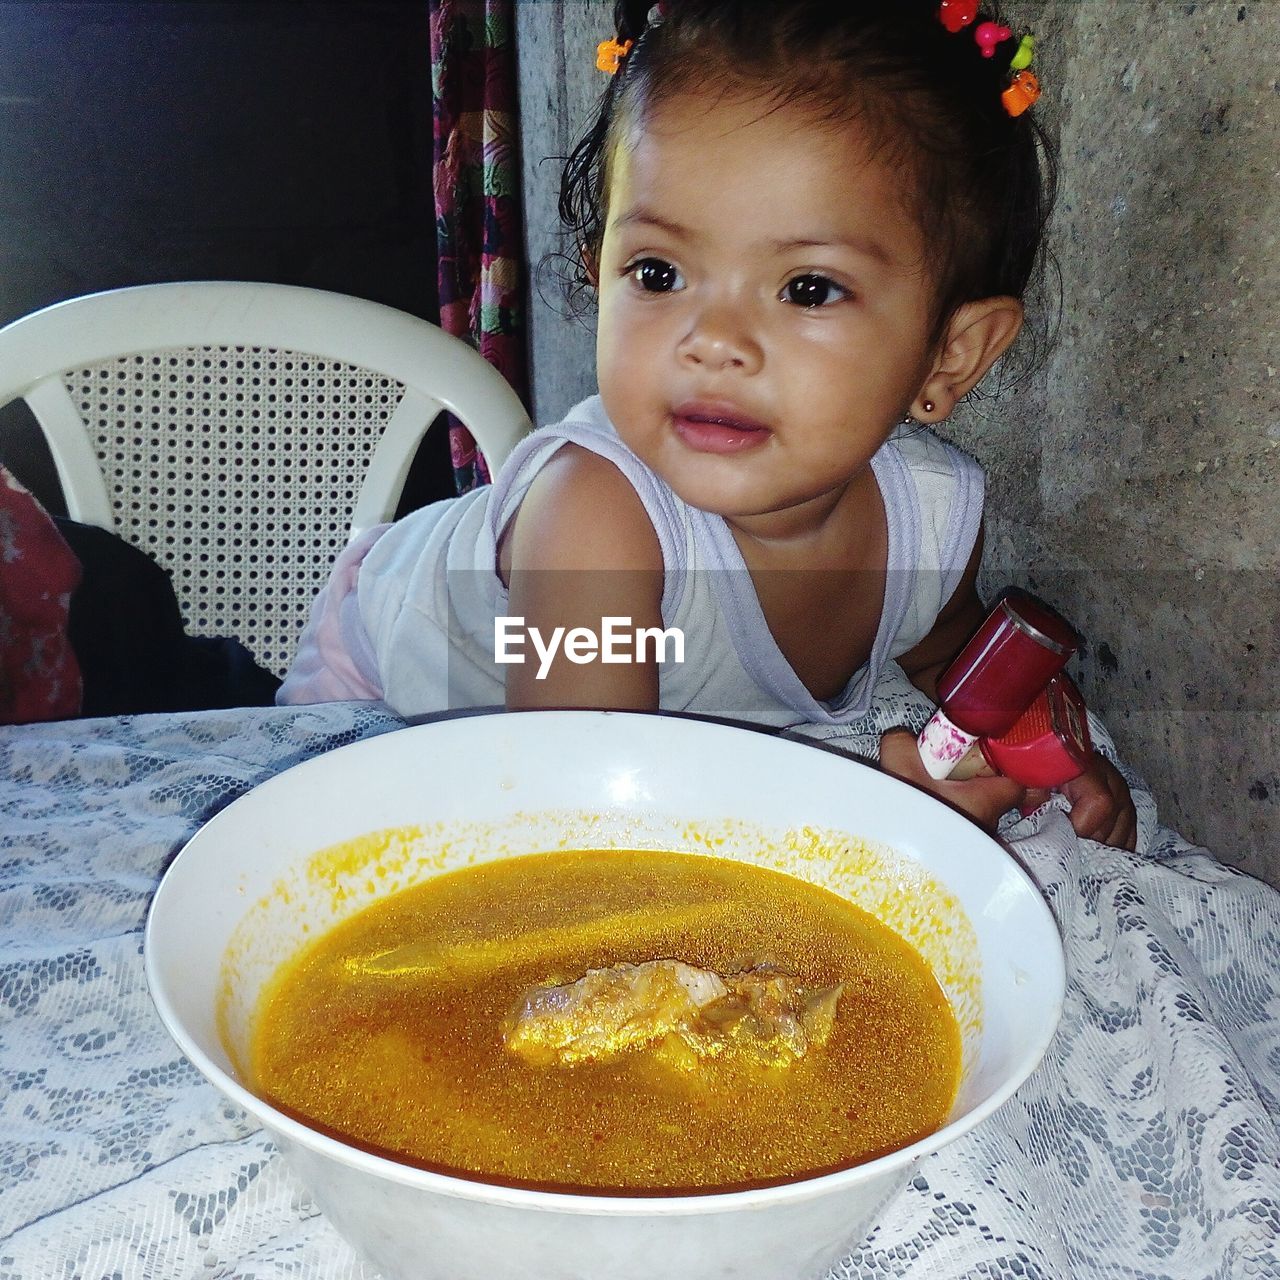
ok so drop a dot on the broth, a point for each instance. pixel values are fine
(389, 1031)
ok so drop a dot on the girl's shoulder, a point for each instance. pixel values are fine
(936, 485)
(579, 511)
(585, 426)
(937, 519)
(580, 463)
(927, 454)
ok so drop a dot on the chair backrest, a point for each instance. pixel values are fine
(241, 433)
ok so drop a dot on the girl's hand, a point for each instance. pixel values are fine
(984, 799)
(1101, 807)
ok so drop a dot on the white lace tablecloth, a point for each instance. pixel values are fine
(1144, 1146)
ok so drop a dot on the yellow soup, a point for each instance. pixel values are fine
(398, 1030)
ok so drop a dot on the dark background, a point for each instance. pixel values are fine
(286, 141)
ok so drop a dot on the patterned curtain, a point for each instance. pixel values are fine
(477, 195)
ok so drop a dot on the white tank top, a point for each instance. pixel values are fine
(429, 589)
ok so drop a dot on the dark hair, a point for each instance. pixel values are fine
(983, 181)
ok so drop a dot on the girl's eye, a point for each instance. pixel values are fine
(654, 275)
(812, 290)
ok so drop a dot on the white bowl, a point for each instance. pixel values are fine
(253, 885)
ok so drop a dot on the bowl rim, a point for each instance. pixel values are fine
(596, 1203)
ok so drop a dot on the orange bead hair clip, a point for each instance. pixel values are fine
(610, 53)
(1022, 92)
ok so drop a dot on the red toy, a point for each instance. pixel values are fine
(995, 678)
(1049, 744)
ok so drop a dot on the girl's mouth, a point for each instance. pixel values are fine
(710, 431)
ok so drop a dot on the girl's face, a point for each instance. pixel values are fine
(765, 318)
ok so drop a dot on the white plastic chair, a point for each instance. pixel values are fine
(240, 434)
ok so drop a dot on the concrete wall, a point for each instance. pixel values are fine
(1132, 475)
(559, 83)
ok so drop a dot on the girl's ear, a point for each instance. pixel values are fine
(590, 265)
(977, 335)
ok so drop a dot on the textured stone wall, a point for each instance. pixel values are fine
(556, 41)
(1133, 476)
(1132, 472)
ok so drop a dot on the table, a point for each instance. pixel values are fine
(1144, 1146)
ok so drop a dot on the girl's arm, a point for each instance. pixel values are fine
(582, 549)
(961, 616)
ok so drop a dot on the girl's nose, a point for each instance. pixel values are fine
(719, 338)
